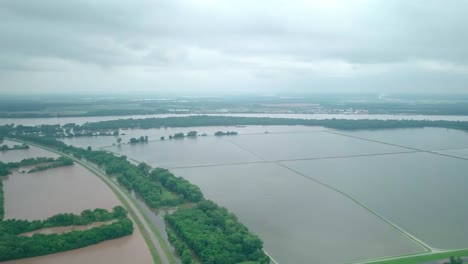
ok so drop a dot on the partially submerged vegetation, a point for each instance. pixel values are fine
(15, 147)
(15, 246)
(158, 188)
(5, 168)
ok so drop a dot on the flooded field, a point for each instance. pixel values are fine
(456, 152)
(299, 220)
(309, 145)
(20, 154)
(398, 182)
(186, 152)
(421, 138)
(42, 194)
(250, 148)
(423, 193)
(155, 134)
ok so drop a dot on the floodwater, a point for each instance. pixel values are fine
(423, 193)
(20, 154)
(299, 220)
(309, 145)
(155, 134)
(186, 152)
(421, 138)
(41, 194)
(82, 120)
(70, 189)
(456, 152)
(250, 148)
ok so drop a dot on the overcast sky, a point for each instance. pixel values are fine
(210, 46)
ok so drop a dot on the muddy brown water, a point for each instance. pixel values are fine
(20, 154)
(69, 189)
(39, 195)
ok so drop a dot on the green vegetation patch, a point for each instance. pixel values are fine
(215, 235)
(14, 246)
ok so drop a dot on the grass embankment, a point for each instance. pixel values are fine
(423, 258)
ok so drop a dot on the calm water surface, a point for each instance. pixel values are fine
(42, 194)
(423, 193)
(422, 138)
(155, 134)
(299, 220)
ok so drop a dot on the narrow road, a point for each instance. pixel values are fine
(126, 201)
(162, 256)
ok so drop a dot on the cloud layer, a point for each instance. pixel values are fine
(214, 46)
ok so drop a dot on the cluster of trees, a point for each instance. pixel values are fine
(142, 139)
(227, 133)
(59, 162)
(215, 235)
(6, 147)
(179, 185)
(180, 247)
(17, 227)
(52, 163)
(14, 246)
(17, 247)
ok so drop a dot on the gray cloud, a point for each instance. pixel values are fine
(228, 46)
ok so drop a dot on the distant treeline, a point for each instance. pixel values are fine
(15, 112)
(190, 121)
(14, 246)
(159, 187)
(343, 124)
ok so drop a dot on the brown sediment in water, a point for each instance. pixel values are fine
(39, 195)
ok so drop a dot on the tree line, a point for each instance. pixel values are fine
(215, 235)
(191, 121)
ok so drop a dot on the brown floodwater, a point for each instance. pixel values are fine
(20, 154)
(39, 195)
